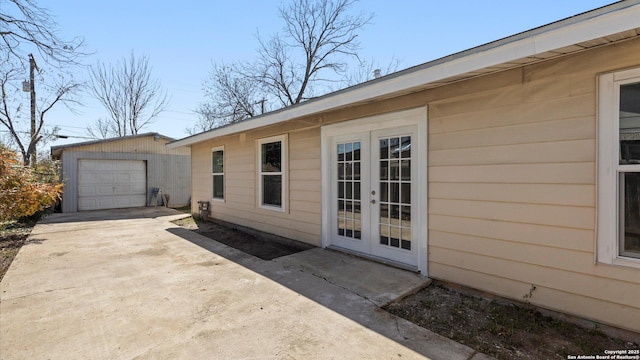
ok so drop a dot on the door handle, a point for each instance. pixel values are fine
(373, 201)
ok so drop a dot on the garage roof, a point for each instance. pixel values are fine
(56, 151)
(609, 24)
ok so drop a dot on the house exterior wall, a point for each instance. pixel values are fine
(512, 188)
(301, 219)
(166, 169)
(511, 184)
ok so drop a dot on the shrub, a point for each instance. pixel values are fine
(24, 191)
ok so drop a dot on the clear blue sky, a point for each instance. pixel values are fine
(182, 38)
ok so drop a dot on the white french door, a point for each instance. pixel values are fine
(373, 190)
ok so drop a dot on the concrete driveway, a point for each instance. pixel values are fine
(124, 284)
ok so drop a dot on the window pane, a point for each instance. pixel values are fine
(356, 151)
(406, 170)
(394, 148)
(384, 148)
(406, 193)
(357, 233)
(271, 157)
(395, 214)
(630, 124)
(357, 209)
(348, 151)
(384, 214)
(630, 214)
(395, 192)
(217, 161)
(272, 190)
(394, 169)
(406, 147)
(384, 170)
(218, 186)
(384, 191)
(356, 171)
(340, 152)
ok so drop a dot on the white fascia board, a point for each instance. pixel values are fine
(603, 25)
(573, 31)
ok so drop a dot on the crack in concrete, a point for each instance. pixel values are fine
(343, 287)
(38, 293)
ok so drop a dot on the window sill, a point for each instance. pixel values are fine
(621, 261)
(271, 208)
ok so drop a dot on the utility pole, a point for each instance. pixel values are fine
(261, 102)
(32, 146)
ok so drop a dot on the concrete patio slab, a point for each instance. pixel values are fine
(130, 284)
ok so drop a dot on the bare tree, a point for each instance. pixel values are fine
(101, 129)
(232, 97)
(24, 26)
(59, 90)
(318, 38)
(132, 98)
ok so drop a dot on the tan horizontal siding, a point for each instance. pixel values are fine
(563, 216)
(301, 219)
(624, 292)
(557, 109)
(607, 312)
(546, 194)
(535, 234)
(548, 152)
(535, 254)
(512, 189)
(538, 132)
(554, 173)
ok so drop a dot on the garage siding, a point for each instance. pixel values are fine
(171, 173)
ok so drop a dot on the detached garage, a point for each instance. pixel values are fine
(124, 172)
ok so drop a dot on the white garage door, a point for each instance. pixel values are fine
(111, 184)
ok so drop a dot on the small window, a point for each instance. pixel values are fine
(217, 173)
(619, 168)
(272, 155)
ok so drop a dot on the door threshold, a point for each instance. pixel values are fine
(377, 259)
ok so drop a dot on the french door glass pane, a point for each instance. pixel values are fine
(349, 190)
(395, 192)
(630, 214)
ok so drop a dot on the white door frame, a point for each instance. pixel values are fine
(416, 117)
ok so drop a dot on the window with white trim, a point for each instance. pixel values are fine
(217, 173)
(272, 169)
(619, 168)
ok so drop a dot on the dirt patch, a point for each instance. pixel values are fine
(264, 247)
(12, 237)
(500, 329)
